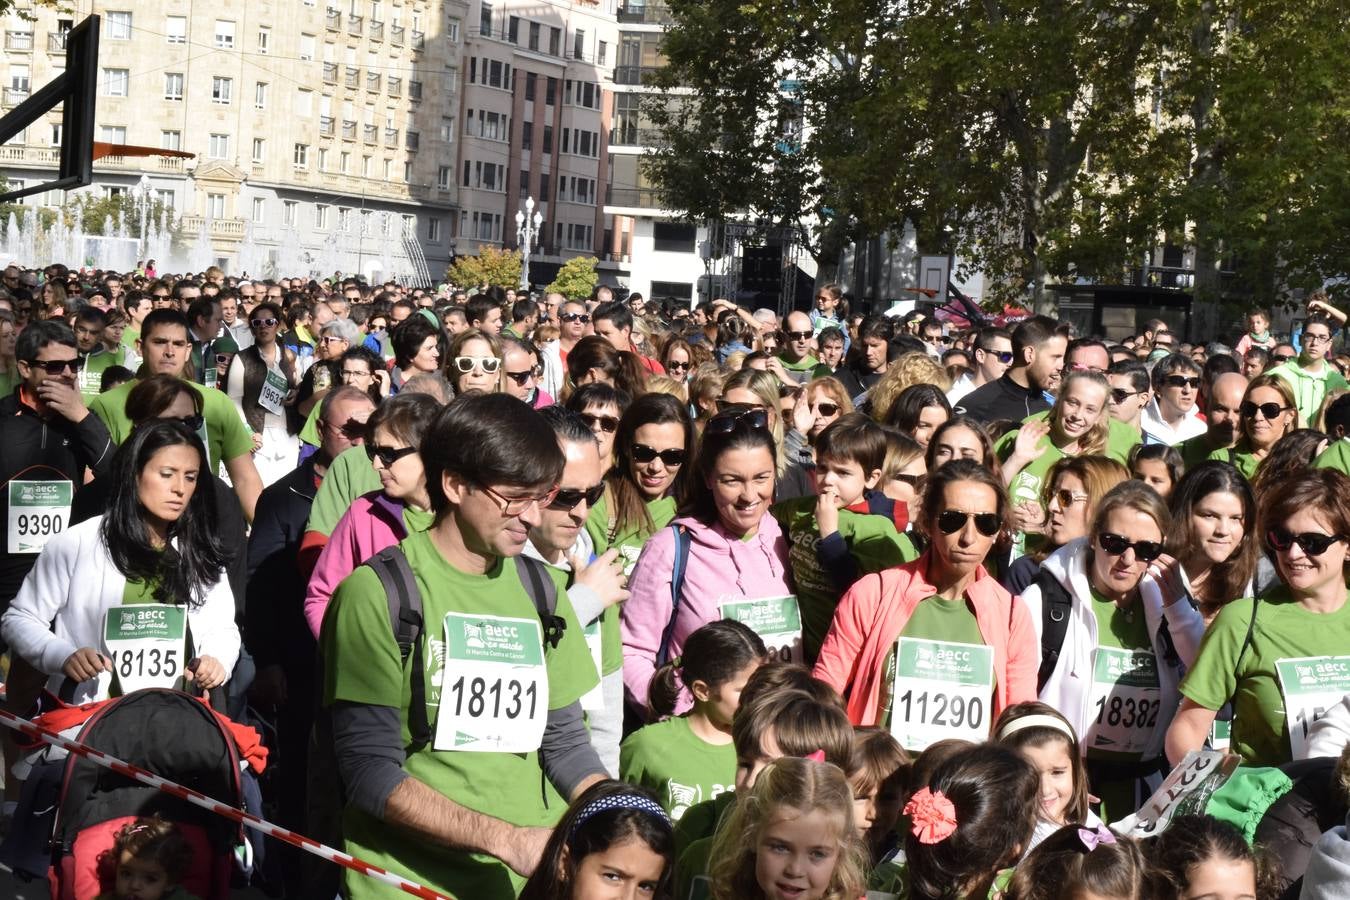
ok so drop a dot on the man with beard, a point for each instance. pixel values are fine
(1038, 349)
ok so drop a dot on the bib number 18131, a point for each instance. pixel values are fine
(494, 687)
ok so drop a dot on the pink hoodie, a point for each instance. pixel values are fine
(370, 524)
(721, 566)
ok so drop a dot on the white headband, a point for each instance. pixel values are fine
(1037, 721)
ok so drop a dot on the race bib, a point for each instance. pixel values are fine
(594, 699)
(494, 687)
(777, 621)
(209, 373)
(147, 643)
(274, 391)
(1221, 734)
(1311, 685)
(91, 380)
(1124, 700)
(38, 511)
(943, 689)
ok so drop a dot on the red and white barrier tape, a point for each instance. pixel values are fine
(24, 726)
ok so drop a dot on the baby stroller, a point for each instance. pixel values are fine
(176, 737)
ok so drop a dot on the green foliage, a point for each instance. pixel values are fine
(95, 212)
(490, 267)
(576, 278)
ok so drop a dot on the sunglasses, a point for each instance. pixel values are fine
(672, 366)
(607, 424)
(352, 429)
(950, 521)
(387, 455)
(800, 335)
(1270, 410)
(265, 323)
(670, 458)
(1282, 357)
(1310, 542)
(788, 390)
(1067, 498)
(583, 318)
(726, 421)
(911, 480)
(1146, 551)
(488, 365)
(1182, 381)
(567, 498)
(521, 377)
(193, 422)
(825, 408)
(1003, 356)
(57, 366)
(1120, 395)
(514, 506)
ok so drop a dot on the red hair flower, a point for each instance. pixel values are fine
(932, 815)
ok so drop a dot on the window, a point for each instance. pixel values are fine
(260, 95)
(224, 34)
(166, 198)
(365, 167)
(495, 73)
(218, 146)
(443, 178)
(531, 80)
(119, 26)
(673, 237)
(566, 140)
(321, 216)
(344, 162)
(407, 172)
(344, 218)
(171, 140)
(259, 150)
(513, 30)
(175, 29)
(307, 46)
(551, 92)
(548, 138)
(527, 136)
(289, 209)
(683, 290)
(173, 85)
(555, 41)
(115, 82)
(468, 172)
(543, 187)
(452, 31)
(259, 209)
(56, 134)
(434, 228)
(409, 224)
(535, 29)
(524, 183)
(215, 206)
(264, 45)
(222, 90)
(114, 191)
(112, 134)
(323, 159)
(304, 102)
(578, 44)
(601, 53)
(300, 159)
(485, 19)
(447, 129)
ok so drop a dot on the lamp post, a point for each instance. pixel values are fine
(527, 230)
(143, 190)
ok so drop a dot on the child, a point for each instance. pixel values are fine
(147, 861)
(690, 758)
(614, 840)
(1158, 466)
(1258, 332)
(1046, 739)
(1077, 861)
(903, 471)
(1201, 856)
(880, 770)
(793, 836)
(847, 530)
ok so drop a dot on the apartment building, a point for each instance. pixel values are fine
(322, 130)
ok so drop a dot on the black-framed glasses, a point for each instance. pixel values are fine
(263, 323)
(488, 365)
(950, 521)
(583, 318)
(567, 498)
(1120, 395)
(355, 373)
(800, 335)
(1316, 338)
(725, 422)
(670, 458)
(57, 366)
(514, 506)
(193, 422)
(388, 455)
(607, 424)
(521, 377)
(825, 408)
(1116, 545)
(1271, 410)
(1310, 542)
(1182, 381)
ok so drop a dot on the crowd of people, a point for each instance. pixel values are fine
(586, 598)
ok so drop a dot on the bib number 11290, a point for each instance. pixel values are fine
(494, 687)
(943, 689)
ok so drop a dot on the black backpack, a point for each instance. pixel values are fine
(405, 620)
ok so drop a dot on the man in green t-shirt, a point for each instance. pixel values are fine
(466, 809)
(797, 357)
(1311, 376)
(1221, 421)
(1337, 454)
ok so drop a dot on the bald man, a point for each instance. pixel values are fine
(1221, 420)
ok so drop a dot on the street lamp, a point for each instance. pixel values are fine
(143, 190)
(527, 230)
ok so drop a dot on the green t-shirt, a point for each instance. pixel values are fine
(138, 591)
(349, 476)
(804, 369)
(629, 544)
(362, 664)
(681, 767)
(91, 376)
(935, 618)
(309, 432)
(130, 336)
(1284, 630)
(1196, 450)
(873, 543)
(1337, 456)
(227, 437)
(1240, 456)
(699, 823)
(1310, 389)
(416, 520)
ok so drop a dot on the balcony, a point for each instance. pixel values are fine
(634, 198)
(326, 126)
(21, 41)
(396, 35)
(414, 140)
(348, 130)
(395, 85)
(354, 24)
(634, 74)
(330, 73)
(14, 96)
(631, 136)
(228, 229)
(353, 77)
(645, 14)
(419, 40)
(333, 19)
(391, 137)
(373, 81)
(371, 134)
(414, 90)
(376, 30)
(56, 42)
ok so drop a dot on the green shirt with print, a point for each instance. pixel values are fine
(803, 369)
(678, 765)
(348, 477)
(362, 665)
(95, 364)
(934, 619)
(1120, 628)
(1337, 456)
(872, 540)
(227, 437)
(1310, 388)
(1284, 630)
(629, 542)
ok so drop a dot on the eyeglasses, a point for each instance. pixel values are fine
(800, 335)
(673, 365)
(607, 424)
(1182, 381)
(824, 408)
(521, 377)
(583, 318)
(1120, 395)
(57, 366)
(670, 458)
(388, 455)
(333, 339)
(911, 480)
(950, 521)
(514, 506)
(1282, 357)
(265, 323)
(1003, 356)
(1270, 411)
(1067, 498)
(355, 373)
(1146, 551)
(488, 365)
(568, 498)
(1310, 542)
(725, 422)
(1316, 338)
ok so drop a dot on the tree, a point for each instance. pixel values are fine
(576, 278)
(491, 267)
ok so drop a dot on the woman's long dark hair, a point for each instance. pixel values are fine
(627, 504)
(697, 499)
(1227, 580)
(194, 558)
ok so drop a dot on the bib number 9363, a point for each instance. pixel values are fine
(494, 687)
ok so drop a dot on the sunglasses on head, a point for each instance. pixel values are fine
(521, 377)
(57, 366)
(583, 318)
(388, 455)
(1182, 381)
(568, 498)
(726, 421)
(1116, 545)
(950, 521)
(488, 365)
(1269, 410)
(264, 323)
(800, 335)
(607, 424)
(1310, 542)
(670, 458)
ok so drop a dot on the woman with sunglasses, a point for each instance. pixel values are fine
(826, 400)
(381, 518)
(474, 362)
(761, 390)
(521, 372)
(943, 605)
(1266, 413)
(736, 550)
(1104, 662)
(678, 358)
(262, 383)
(1280, 659)
(600, 406)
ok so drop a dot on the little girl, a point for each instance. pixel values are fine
(1203, 857)
(1158, 466)
(690, 758)
(793, 836)
(147, 861)
(1046, 740)
(880, 770)
(615, 839)
(1077, 862)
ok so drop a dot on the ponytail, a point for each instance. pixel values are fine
(713, 654)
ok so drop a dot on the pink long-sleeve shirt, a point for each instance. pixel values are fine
(370, 524)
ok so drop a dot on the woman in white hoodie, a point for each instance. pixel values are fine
(1113, 674)
(136, 597)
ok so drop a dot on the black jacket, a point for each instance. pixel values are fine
(1004, 399)
(274, 604)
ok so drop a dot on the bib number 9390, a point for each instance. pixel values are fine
(777, 621)
(494, 687)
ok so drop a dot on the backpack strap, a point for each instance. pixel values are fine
(1247, 640)
(544, 593)
(682, 541)
(405, 621)
(1056, 605)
